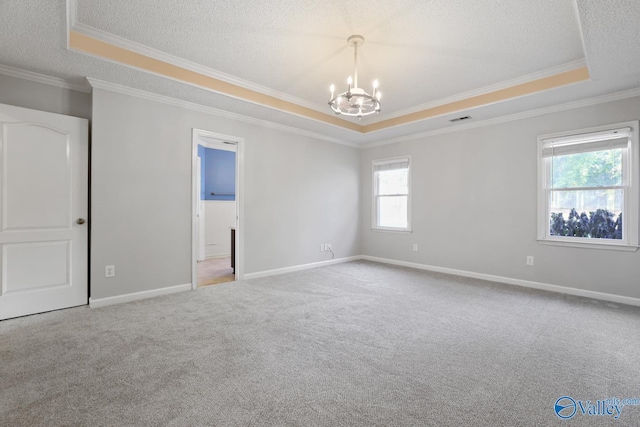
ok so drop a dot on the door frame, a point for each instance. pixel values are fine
(200, 232)
(199, 137)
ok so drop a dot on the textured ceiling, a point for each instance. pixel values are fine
(422, 52)
(299, 47)
(611, 34)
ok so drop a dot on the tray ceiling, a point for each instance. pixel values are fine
(275, 60)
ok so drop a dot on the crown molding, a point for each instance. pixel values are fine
(78, 43)
(125, 90)
(41, 78)
(569, 66)
(73, 24)
(602, 99)
(141, 49)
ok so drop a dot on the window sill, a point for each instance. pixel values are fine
(585, 245)
(391, 230)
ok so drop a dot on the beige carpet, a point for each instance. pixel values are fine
(213, 271)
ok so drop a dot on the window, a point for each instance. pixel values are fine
(588, 187)
(391, 198)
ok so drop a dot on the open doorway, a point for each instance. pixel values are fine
(217, 202)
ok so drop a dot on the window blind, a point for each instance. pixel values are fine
(584, 143)
(391, 165)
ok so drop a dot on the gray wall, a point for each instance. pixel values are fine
(39, 96)
(474, 205)
(299, 192)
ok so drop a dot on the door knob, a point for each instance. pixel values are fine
(80, 221)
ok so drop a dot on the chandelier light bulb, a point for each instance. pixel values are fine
(375, 84)
(350, 80)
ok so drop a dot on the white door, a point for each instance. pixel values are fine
(43, 211)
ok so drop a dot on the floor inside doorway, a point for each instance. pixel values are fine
(213, 271)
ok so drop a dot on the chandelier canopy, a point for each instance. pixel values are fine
(355, 101)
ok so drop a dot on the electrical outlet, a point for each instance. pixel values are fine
(415, 247)
(321, 247)
(327, 247)
(529, 260)
(110, 271)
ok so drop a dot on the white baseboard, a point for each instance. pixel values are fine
(510, 281)
(284, 270)
(101, 302)
(119, 299)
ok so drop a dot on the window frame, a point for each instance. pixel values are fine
(630, 187)
(375, 196)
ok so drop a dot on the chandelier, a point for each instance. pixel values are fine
(355, 101)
